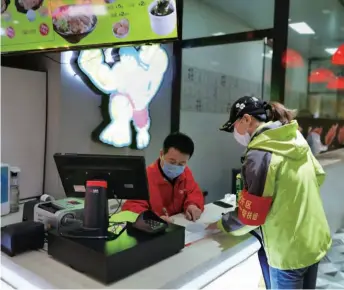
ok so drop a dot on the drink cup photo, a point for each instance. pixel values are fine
(163, 16)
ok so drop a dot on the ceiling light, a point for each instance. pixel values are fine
(331, 51)
(292, 59)
(336, 84)
(338, 56)
(218, 33)
(326, 11)
(321, 75)
(301, 28)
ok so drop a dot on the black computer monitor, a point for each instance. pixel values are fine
(125, 175)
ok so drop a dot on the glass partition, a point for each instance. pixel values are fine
(217, 17)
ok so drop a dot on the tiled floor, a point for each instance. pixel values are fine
(331, 268)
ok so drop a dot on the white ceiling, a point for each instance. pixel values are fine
(326, 17)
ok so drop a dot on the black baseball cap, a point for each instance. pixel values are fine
(245, 105)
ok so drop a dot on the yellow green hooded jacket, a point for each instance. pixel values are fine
(279, 164)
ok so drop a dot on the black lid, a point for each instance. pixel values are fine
(245, 105)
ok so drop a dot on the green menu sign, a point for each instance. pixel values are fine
(47, 24)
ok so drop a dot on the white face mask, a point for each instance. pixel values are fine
(244, 140)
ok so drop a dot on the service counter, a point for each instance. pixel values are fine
(206, 262)
(217, 261)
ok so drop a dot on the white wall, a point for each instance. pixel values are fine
(23, 119)
(52, 181)
(74, 113)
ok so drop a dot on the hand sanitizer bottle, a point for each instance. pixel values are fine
(14, 197)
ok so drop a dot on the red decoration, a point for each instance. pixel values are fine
(253, 209)
(292, 59)
(336, 84)
(338, 57)
(321, 75)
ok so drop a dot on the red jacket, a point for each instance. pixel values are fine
(174, 197)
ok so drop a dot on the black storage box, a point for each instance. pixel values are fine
(20, 237)
(110, 261)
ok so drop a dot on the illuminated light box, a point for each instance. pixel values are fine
(129, 84)
(39, 25)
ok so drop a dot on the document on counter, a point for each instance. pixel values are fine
(197, 231)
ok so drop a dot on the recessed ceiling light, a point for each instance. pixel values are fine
(302, 28)
(218, 33)
(331, 51)
(326, 11)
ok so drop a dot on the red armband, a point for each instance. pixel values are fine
(253, 209)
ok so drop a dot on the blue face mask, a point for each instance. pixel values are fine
(172, 171)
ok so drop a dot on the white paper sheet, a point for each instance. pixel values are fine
(193, 237)
(197, 231)
(195, 227)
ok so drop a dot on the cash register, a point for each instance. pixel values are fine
(109, 251)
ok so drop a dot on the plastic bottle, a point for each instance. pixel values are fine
(238, 186)
(15, 193)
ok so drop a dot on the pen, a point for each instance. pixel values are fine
(165, 211)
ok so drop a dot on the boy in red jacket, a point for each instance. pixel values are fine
(172, 187)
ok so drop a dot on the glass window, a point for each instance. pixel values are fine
(213, 77)
(315, 70)
(216, 17)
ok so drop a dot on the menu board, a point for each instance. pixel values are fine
(47, 24)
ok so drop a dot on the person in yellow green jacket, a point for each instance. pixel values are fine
(281, 197)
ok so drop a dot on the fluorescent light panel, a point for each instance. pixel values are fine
(218, 33)
(301, 28)
(331, 51)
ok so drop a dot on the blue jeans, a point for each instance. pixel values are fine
(305, 278)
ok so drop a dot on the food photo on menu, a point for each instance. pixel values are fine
(121, 28)
(32, 8)
(4, 5)
(163, 16)
(74, 22)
